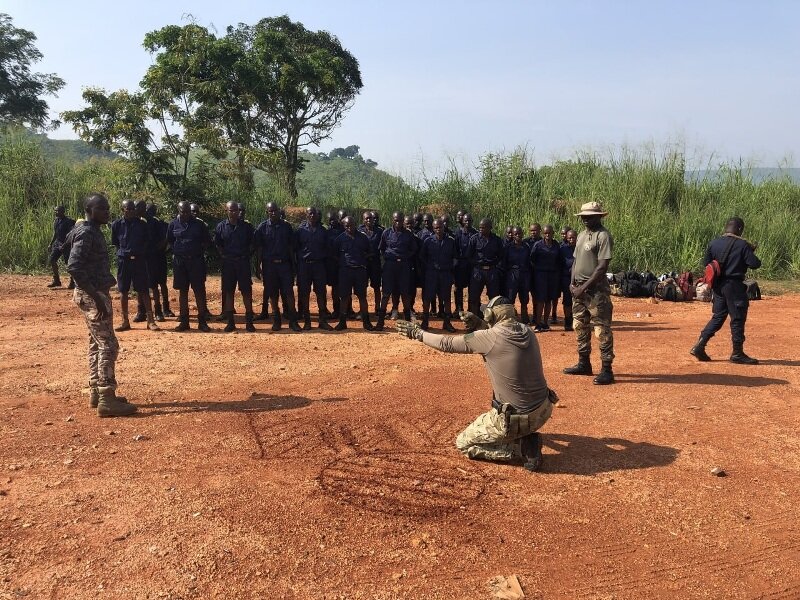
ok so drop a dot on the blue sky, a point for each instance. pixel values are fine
(453, 80)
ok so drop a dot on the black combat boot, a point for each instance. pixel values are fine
(262, 316)
(54, 284)
(524, 318)
(407, 314)
(381, 317)
(568, 324)
(140, 316)
(739, 357)
(606, 375)
(306, 322)
(71, 285)
(202, 324)
(323, 324)
(231, 326)
(159, 314)
(248, 323)
(276, 320)
(448, 326)
(183, 324)
(532, 451)
(584, 366)
(365, 320)
(699, 350)
(293, 324)
(167, 311)
(425, 321)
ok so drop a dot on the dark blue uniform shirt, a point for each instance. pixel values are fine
(567, 256)
(276, 240)
(545, 259)
(156, 235)
(740, 258)
(462, 240)
(485, 251)
(130, 237)
(189, 238)
(61, 227)
(234, 241)
(398, 244)
(311, 244)
(530, 241)
(517, 257)
(423, 234)
(352, 251)
(439, 254)
(374, 238)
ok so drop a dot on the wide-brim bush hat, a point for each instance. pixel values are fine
(591, 209)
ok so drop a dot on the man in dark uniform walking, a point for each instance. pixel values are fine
(485, 251)
(735, 255)
(62, 225)
(398, 247)
(275, 240)
(129, 236)
(311, 243)
(189, 239)
(463, 269)
(89, 266)
(437, 256)
(234, 240)
(352, 249)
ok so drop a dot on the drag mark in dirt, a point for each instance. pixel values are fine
(790, 592)
(713, 565)
(298, 439)
(402, 483)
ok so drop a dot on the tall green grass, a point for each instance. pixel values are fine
(660, 220)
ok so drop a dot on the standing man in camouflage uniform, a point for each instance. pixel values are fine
(62, 225)
(90, 267)
(521, 400)
(591, 294)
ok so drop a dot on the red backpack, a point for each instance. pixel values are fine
(714, 268)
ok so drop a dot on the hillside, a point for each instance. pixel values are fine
(70, 151)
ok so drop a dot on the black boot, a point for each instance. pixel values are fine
(294, 325)
(606, 375)
(365, 320)
(323, 324)
(183, 324)
(54, 284)
(407, 314)
(699, 350)
(202, 324)
(248, 323)
(231, 326)
(425, 322)
(739, 357)
(167, 311)
(71, 285)
(584, 366)
(342, 324)
(448, 326)
(568, 324)
(381, 317)
(532, 451)
(276, 321)
(306, 322)
(139, 317)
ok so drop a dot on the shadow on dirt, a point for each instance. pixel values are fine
(785, 362)
(640, 326)
(256, 403)
(699, 379)
(582, 455)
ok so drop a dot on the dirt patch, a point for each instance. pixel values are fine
(322, 465)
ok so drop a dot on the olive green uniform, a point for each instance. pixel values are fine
(593, 310)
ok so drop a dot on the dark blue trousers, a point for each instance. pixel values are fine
(438, 283)
(278, 280)
(483, 277)
(730, 299)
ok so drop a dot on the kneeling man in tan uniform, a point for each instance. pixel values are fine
(521, 400)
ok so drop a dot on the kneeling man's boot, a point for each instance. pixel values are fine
(532, 451)
(699, 350)
(740, 358)
(583, 367)
(606, 375)
(109, 405)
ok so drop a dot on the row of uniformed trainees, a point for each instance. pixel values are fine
(415, 251)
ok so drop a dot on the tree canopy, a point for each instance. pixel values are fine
(262, 91)
(21, 89)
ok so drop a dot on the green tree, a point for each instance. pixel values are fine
(20, 89)
(262, 92)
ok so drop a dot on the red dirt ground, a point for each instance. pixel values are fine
(322, 465)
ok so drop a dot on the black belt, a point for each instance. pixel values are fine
(486, 267)
(277, 261)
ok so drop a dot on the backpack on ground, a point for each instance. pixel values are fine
(668, 290)
(753, 291)
(631, 285)
(686, 285)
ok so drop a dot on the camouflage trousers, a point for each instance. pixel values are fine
(497, 437)
(594, 310)
(103, 344)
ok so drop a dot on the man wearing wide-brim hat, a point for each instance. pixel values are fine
(591, 294)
